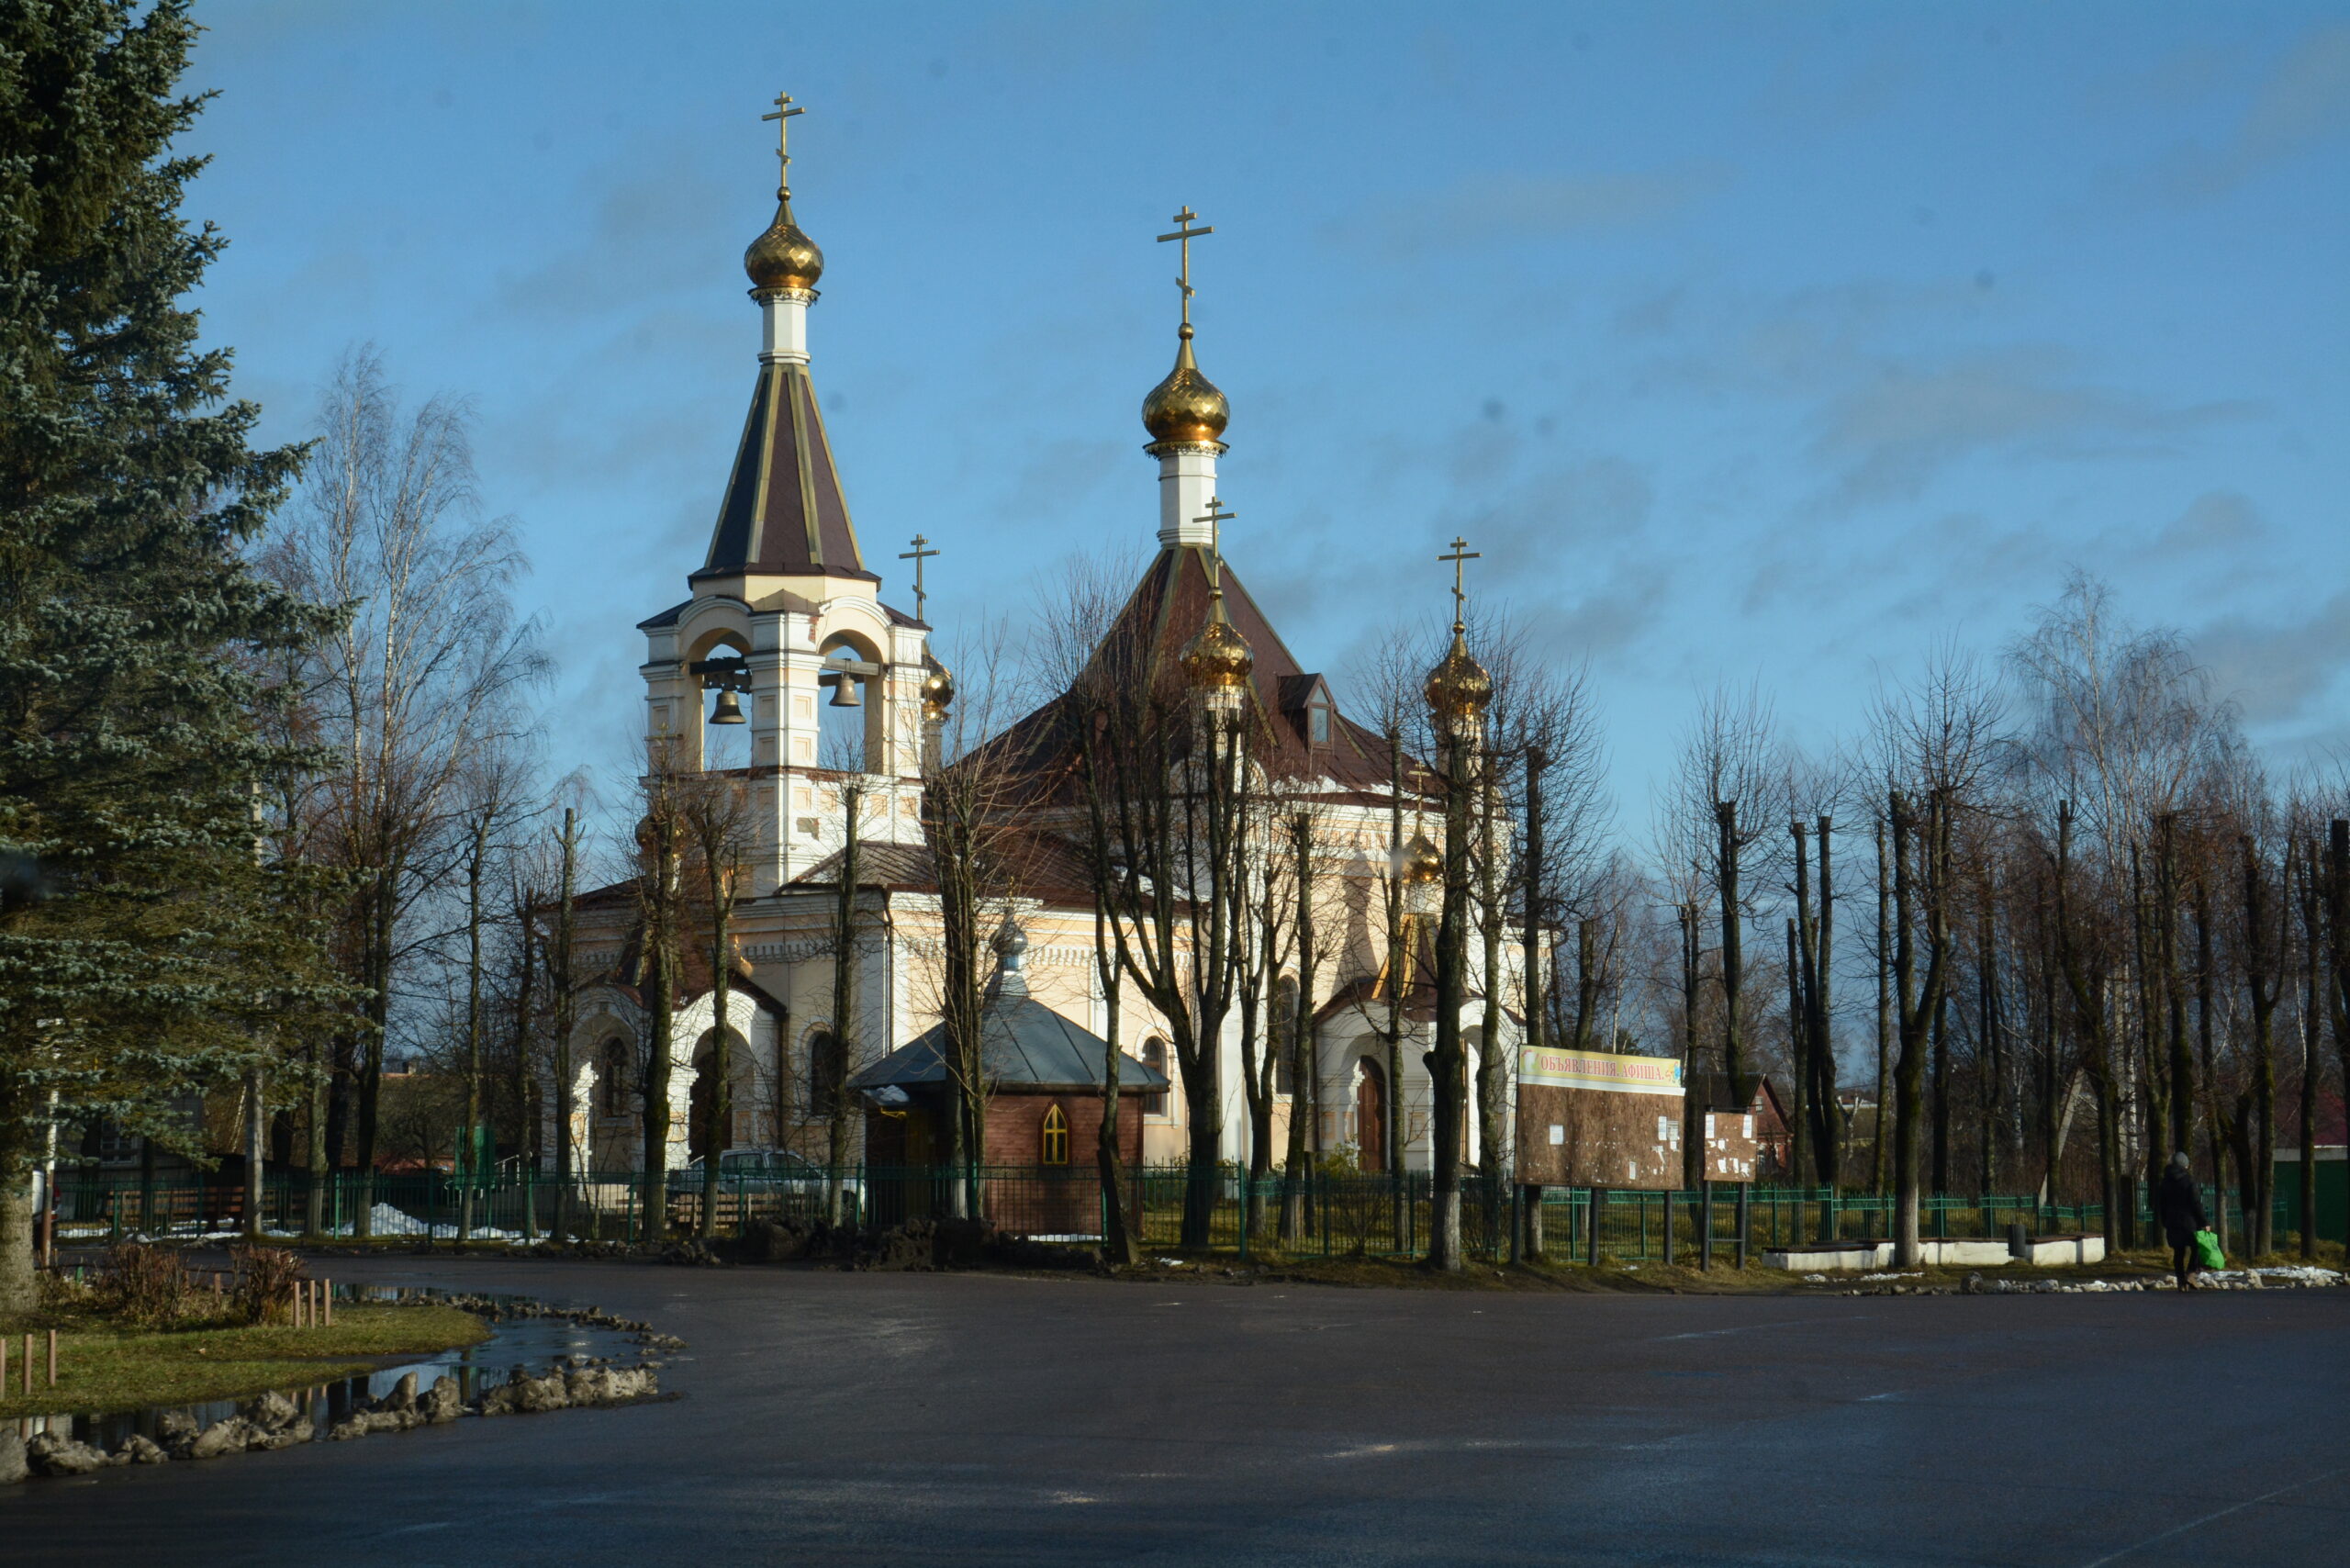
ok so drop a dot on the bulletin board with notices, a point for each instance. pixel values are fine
(1596, 1119)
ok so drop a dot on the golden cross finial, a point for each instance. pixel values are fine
(1215, 517)
(1460, 552)
(918, 555)
(1186, 233)
(784, 109)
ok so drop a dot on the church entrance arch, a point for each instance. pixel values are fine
(1370, 1115)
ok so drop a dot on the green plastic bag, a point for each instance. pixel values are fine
(2207, 1251)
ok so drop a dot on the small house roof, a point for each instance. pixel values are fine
(1022, 1045)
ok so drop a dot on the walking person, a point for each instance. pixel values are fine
(2178, 1204)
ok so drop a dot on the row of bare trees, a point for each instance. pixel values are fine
(2098, 931)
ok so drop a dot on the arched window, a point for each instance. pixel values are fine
(1154, 1056)
(1055, 1150)
(826, 1073)
(612, 1076)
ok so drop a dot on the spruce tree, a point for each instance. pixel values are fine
(148, 950)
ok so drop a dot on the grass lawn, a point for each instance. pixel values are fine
(103, 1367)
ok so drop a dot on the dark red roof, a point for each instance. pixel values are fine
(783, 512)
(1167, 609)
(1029, 864)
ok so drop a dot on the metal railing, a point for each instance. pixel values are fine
(1323, 1214)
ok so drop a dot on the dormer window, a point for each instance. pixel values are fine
(1318, 721)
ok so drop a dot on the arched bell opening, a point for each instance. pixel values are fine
(849, 716)
(720, 670)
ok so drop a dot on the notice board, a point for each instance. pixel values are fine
(1731, 1146)
(1596, 1119)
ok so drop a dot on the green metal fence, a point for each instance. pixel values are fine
(1323, 1214)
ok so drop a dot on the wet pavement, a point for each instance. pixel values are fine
(866, 1418)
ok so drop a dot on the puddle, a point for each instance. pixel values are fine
(536, 1343)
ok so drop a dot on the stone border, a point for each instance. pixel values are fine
(273, 1421)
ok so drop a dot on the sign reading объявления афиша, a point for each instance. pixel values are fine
(1596, 1119)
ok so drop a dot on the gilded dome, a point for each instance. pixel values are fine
(1459, 686)
(1186, 407)
(783, 257)
(1421, 861)
(937, 689)
(1217, 656)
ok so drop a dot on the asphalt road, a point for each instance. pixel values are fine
(863, 1418)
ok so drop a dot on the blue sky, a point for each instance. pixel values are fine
(1748, 341)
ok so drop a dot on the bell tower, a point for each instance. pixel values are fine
(785, 630)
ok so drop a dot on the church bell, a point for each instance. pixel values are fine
(728, 711)
(845, 692)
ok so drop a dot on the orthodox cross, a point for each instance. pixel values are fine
(1215, 517)
(784, 110)
(1460, 552)
(1186, 233)
(918, 555)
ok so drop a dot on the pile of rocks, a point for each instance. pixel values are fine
(578, 1384)
(275, 1421)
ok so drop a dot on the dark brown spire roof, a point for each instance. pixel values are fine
(1166, 611)
(784, 514)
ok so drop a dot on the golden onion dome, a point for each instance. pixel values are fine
(1459, 686)
(1420, 860)
(937, 688)
(1186, 407)
(1218, 656)
(783, 257)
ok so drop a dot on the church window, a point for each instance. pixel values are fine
(612, 1077)
(1154, 1056)
(1055, 1137)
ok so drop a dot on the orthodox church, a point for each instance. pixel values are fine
(784, 641)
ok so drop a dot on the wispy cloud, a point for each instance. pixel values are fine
(2217, 519)
(1888, 437)
(2305, 101)
(1519, 205)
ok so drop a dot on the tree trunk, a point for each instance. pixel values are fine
(1449, 1107)
(1726, 854)
(2313, 1030)
(1917, 1003)
(256, 1127)
(1304, 1049)
(1536, 761)
(376, 976)
(718, 1100)
(1884, 1014)
(843, 1006)
(1120, 1247)
(565, 1001)
(468, 1137)
(18, 1296)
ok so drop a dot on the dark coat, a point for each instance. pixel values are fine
(2178, 1204)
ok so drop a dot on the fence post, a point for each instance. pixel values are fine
(1668, 1230)
(1745, 1218)
(1705, 1225)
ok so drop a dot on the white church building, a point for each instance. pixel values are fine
(783, 640)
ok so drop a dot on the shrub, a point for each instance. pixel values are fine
(266, 1277)
(145, 1284)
